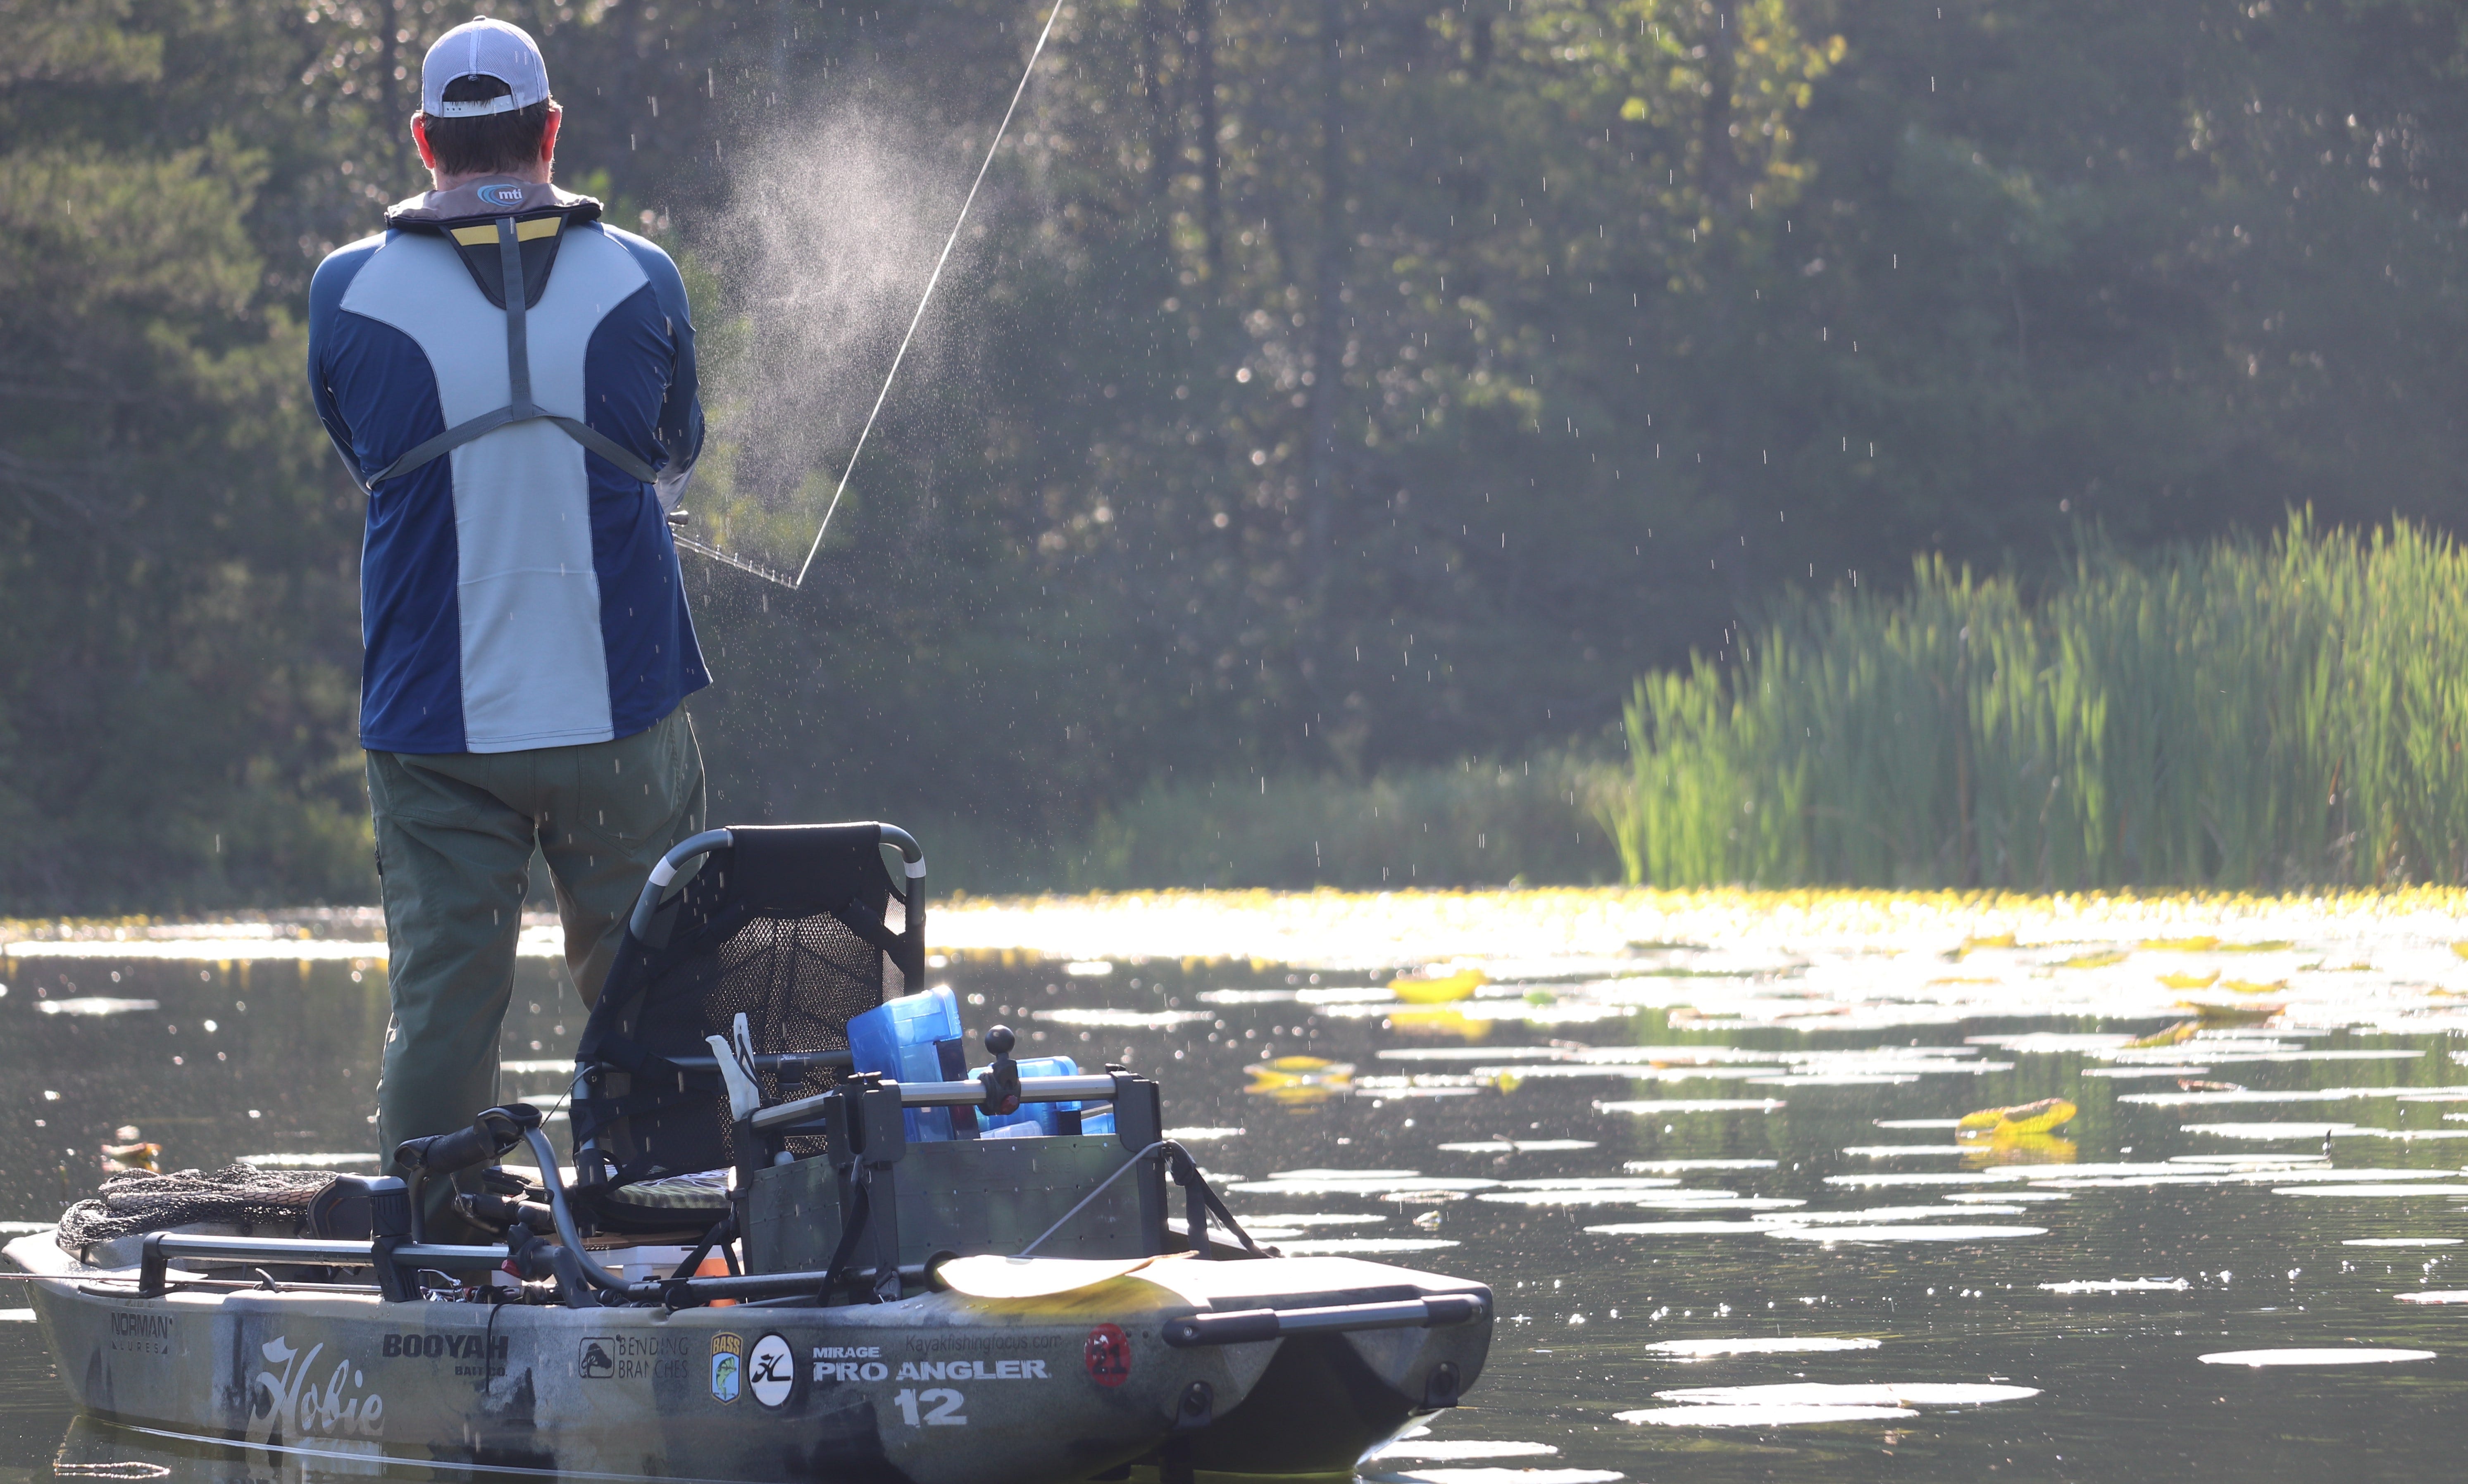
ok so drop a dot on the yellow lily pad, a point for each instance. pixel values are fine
(2028, 1118)
(2186, 981)
(1956, 954)
(1438, 992)
(1300, 1079)
(2181, 945)
(2168, 1035)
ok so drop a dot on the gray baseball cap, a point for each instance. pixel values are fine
(482, 47)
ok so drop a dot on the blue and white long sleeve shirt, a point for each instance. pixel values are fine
(520, 591)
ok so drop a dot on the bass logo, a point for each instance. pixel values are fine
(1108, 1356)
(598, 1359)
(771, 1371)
(728, 1368)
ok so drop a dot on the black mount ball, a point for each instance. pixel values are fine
(999, 1040)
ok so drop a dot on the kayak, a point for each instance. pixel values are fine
(1084, 1369)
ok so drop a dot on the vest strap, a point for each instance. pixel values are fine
(518, 385)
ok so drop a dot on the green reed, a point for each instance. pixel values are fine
(2251, 714)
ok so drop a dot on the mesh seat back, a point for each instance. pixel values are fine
(785, 926)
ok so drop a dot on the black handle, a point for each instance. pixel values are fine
(493, 1133)
(1244, 1326)
(1001, 1080)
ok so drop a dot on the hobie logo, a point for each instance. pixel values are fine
(771, 1371)
(502, 196)
(728, 1368)
(294, 1404)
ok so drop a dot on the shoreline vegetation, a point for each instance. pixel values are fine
(2245, 714)
(1477, 822)
(2272, 715)
(2263, 715)
(1909, 907)
(1613, 927)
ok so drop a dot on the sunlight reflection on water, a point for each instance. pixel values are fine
(1578, 1137)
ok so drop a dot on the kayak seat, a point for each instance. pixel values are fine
(782, 925)
(664, 1204)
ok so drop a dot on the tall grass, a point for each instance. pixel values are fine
(2252, 714)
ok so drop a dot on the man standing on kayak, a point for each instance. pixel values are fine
(511, 381)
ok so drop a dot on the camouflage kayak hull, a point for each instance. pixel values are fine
(937, 1388)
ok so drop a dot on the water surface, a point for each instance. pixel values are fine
(1716, 1185)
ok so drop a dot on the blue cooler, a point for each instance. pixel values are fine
(912, 1039)
(1034, 1119)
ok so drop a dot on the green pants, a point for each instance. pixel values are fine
(455, 835)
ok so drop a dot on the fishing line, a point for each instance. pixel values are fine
(924, 299)
(928, 297)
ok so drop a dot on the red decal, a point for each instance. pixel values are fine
(1108, 1355)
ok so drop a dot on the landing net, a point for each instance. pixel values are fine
(142, 1200)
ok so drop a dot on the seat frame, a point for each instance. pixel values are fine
(817, 879)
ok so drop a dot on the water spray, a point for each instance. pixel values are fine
(793, 584)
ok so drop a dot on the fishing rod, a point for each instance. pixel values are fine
(757, 568)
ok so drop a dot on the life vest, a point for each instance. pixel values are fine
(507, 235)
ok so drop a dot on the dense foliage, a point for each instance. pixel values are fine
(1285, 419)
